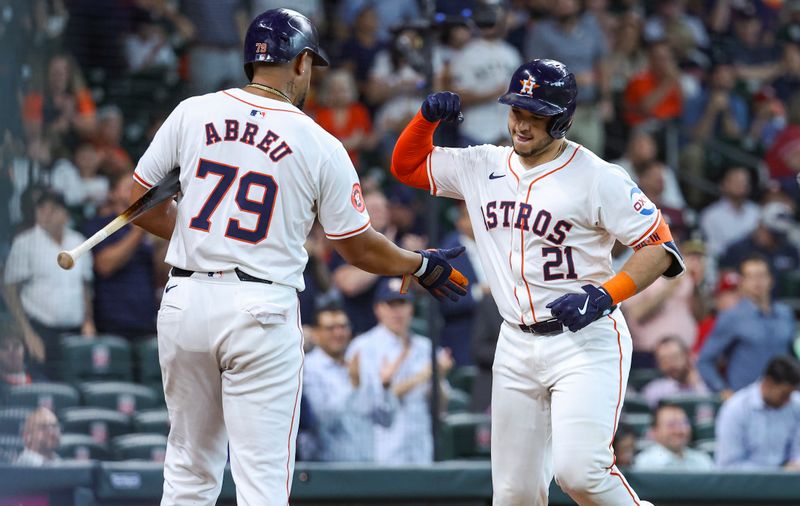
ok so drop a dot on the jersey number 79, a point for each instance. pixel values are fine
(261, 207)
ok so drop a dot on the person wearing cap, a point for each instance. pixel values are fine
(392, 365)
(770, 240)
(46, 300)
(747, 335)
(726, 295)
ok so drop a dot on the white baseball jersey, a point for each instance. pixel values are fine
(546, 231)
(255, 172)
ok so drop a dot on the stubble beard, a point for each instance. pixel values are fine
(534, 152)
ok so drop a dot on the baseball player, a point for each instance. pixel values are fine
(546, 213)
(255, 172)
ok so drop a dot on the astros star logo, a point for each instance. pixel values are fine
(528, 85)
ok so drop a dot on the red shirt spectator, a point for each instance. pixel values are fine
(654, 93)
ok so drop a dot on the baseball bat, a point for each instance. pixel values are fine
(161, 191)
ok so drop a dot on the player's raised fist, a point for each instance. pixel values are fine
(577, 310)
(442, 105)
(436, 275)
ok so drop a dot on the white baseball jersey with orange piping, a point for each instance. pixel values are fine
(546, 231)
(255, 173)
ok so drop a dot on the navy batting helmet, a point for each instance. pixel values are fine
(278, 36)
(545, 88)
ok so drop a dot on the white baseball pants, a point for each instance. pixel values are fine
(231, 359)
(556, 402)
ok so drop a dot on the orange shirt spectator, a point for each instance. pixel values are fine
(654, 93)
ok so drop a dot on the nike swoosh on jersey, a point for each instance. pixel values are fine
(167, 289)
(582, 310)
(493, 176)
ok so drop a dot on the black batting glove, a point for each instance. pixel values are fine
(436, 275)
(577, 310)
(442, 105)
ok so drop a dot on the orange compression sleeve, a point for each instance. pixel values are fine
(410, 152)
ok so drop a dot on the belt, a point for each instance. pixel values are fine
(552, 326)
(243, 276)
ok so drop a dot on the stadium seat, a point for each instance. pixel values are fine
(462, 377)
(699, 408)
(457, 401)
(123, 397)
(147, 366)
(638, 378)
(466, 435)
(10, 447)
(154, 421)
(82, 447)
(12, 420)
(639, 422)
(703, 430)
(151, 447)
(54, 396)
(635, 404)
(102, 424)
(102, 358)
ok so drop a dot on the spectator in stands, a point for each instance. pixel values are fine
(624, 445)
(344, 116)
(759, 427)
(12, 358)
(627, 57)
(459, 316)
(672, 433)
(356, 286)
(79, 179)
(783, 157)
(215, 57)
(391, 14)
(667, 308)
(652, 180)
(362, 45)
(147, 47)
(108, 142)
(726, 295)
(769, 240)
(484, 334)
(45, 299)
(576, 39)
(769, 118)
(747, 335)
(29, 168)
(753, 53)
(716, 115)
(343, 430)
(394, 369)
(479, 74)
(680, 374)
(124, 267)
(642, 149)
(653, 96)
(42, 437)
(731, 217)
(64, 109)
(684, 32)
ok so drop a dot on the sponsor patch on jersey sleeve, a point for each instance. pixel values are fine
(357, 198)
(641, 204)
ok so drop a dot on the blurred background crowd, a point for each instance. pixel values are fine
(699, 100)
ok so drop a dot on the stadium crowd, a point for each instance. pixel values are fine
(699, 100)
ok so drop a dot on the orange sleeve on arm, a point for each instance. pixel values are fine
(411, 151)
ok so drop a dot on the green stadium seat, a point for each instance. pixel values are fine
(457, 401)
(10, 447)
(154, 421)
(150, 447)
(703, 430)
(82, 447)
(100, 423)
(466, 435)
(462, 377)
(639, 422)
(54, 396)
(638, 378)
(699, 408)
(635, 404)
(123, 397)
(12, 420)
(147, 366)
(102, 358)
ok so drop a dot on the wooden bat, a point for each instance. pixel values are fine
(160, 192)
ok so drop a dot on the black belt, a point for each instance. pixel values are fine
(552, 326)
(243, 276)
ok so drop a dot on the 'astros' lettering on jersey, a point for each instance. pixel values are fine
(546, 231)
(255, 172)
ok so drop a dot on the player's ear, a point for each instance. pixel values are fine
(302, 63)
